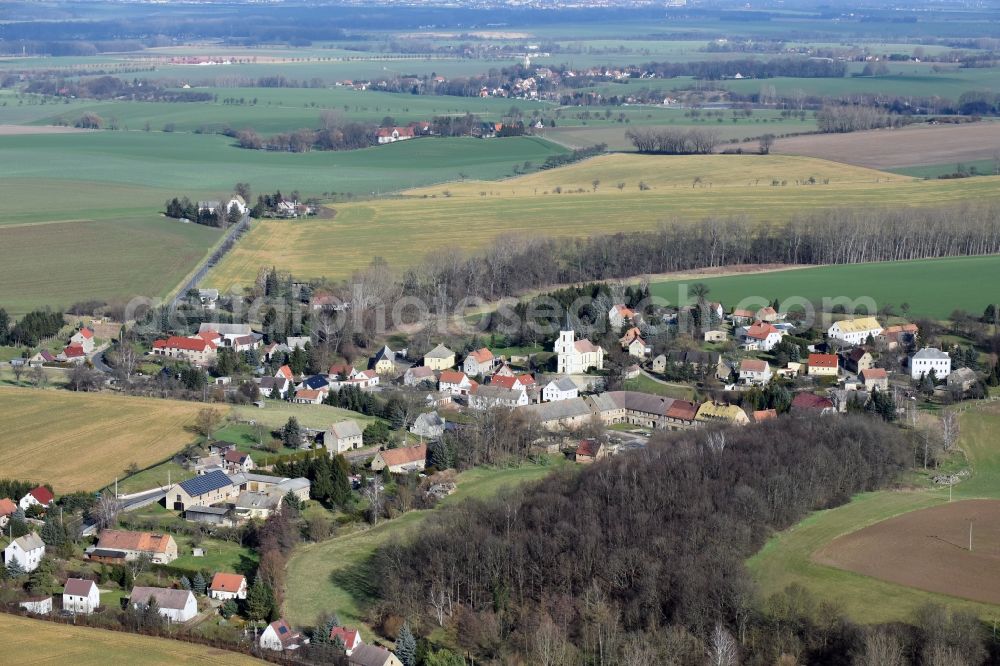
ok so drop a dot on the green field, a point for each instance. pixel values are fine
(331, 576)
(683, 188)
(933, 288)
(787, 557)
(28, 641)
(112, 259)
(983, 167)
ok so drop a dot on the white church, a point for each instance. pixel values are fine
(575, 357)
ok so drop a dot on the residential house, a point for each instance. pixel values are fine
(273, 351)
(855, 331)
(81, 596)
(310, 396)
(487, 396)
(875, 378)
(754, 372)
(228, 586)
(401, 460)
(7, 509)
(72, 354)
(314, 382)
(660, 364)
(384, 361)
(715, 336)
(806, 403)
(419, 374)
(767, 314)
(363, 380)
(285, 372)
(175, 605)
(204, 490)
(38, 604)
(343, 436)
(228, 333)
(196, 350)
(342, 371)
(41, 358)
(84, 338)
(823, 365)
(246, 343)
(40, 496)
(234, 462)
(511, 382)
(253, 504)
(279, 637)
(858, 359)
(208, 298)
(962, 379)
(116, 546)
(901, 335)
(560, 389)
(714, 412)
(429, 425)
(439, 358)
(372, 655)
(760, 336)
(479, 362)
(634, 344)
(575, 357)
(619, 315)
(590, 450)
(351, 638)
(927, 359)
(762, 415)
(273, 387)
(454, 382)
(394, 134)
(740, 316)
(27, 550)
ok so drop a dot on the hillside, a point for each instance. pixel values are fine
(469, 216)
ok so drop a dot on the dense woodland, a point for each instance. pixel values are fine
(640, 559)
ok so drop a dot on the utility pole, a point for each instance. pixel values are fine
(970, 533)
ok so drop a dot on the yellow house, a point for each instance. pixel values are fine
(383, 362)
(710, 412)
(440, 358)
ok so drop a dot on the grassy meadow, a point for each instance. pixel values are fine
(686, 188)
(787, 557)
(934, 288)
(28, 641)
(82, 441)
(331, 576)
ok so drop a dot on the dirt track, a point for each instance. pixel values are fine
(928, 550)
(909, 146)
(21, 130)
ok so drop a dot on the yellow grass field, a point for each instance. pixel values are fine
(27, 641)
(82, 441)
(473, 214)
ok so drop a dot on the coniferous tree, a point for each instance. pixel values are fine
(198, 584)
(406, 646)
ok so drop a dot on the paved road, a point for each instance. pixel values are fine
(131, 504)
(232, 235)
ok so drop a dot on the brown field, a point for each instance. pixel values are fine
(909, 146)
(82, 441)
(928, 550)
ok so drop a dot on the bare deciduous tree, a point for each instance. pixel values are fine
(882, 648)
(949, 429)
(375, 494)
(723, 649)
(106, 510)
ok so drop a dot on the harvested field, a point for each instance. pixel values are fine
(21, 130)
(928, 550)
(892, 148)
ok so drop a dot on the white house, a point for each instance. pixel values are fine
(479, 362)
(454, 382)
(575, 357)
(228, 586)
(619, 314)
(81, 596)
(343, 436)
(754, 372)
(40, 496)
(175, 605)
(351, 638)
(560, 389)
(855, 331)
(760, 337)
(38, 605)
(27, 550)
(489, 396)
(84, 338)
(928, 359)
(279, 637)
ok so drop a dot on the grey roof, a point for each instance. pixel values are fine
(931, 353)
(563, 384)
(226, 329)
(291, 485)
(602, 402)
(254, 500)
(212, 294)
(368, 655)
(165, 598)
(962, 375)
(273, 383)
(439, 352)
(213, 510)
(430, 419)
(264, 478)
(345, 429)
(30, 541)
(497, 393)
(206, 483)
(641, 402)
(561, 409)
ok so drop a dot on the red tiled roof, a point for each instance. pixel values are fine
(7, 506)
(286, 372)
(349, 636)
(309, 394)
(822, 360)
(811, 401)
(234, 456)
(227, 582)
(683, 410)
(73, 351)
(78, 587)
(185, 344)
(588, 447)
(452, 377)
(503, 381)
(42, 494)
(86, 332)
(405, 455)
(874, 373)
(764, 415)
(760, 331)
(739, 312)
(585, 346)
(753, 365)
(138, 541)
(482, 355)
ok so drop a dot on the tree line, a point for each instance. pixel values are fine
(640, 548)
(664, 141)
(33, 327)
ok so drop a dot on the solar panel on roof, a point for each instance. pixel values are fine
(206, 483)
